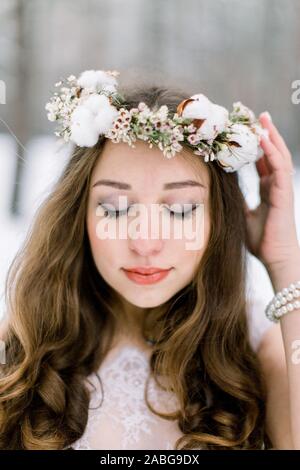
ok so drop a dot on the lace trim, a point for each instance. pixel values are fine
(124, 379)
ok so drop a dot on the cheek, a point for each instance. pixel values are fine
(95, 243)
(106, 252)
(188, 259)
(98, 246)
(191, 248)
(91, 230)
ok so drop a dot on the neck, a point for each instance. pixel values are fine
(130, 320)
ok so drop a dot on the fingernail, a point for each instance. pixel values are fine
(266, 113)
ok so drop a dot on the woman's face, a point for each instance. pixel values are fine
(143, 177)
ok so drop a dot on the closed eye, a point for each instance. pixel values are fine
(115, 213)
(183, 214)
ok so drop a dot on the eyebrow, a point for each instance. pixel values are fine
(126, 186)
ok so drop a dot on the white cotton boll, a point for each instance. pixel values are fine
(215, 117)
(220, 117)
(200, 108)
(103, 112)
(248, 141)
(206, 130)
(90, 119)
(233, 158)
(94, 80)
(96, 102)
(105, 117)
(215, 123)
(229, 161)
(109, 88)
(83, 130)
(260, 152)
(88, 79)
(80, 114)
(104, 78)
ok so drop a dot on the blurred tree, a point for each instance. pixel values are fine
(20, 111)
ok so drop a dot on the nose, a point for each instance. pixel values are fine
(145, 246)
(144, 240)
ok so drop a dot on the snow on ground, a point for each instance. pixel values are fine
(45, 159)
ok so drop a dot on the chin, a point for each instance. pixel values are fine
(146, 301)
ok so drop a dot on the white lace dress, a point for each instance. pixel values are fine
(123, 420)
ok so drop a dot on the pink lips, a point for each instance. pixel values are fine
(144, 275)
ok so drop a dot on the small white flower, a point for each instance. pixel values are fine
(240, 110)
(162, 113)
(142, 106)
(191, 128)
(51, 117)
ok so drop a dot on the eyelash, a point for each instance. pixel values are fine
(118, 213)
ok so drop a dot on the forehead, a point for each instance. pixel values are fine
(144, 167)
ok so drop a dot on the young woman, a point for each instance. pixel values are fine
(101, 357)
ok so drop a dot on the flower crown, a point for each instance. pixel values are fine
(91, 106)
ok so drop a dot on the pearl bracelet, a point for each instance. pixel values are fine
(283, 302)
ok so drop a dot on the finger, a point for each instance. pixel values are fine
(275, 136)
(273, 155)
(263, 166)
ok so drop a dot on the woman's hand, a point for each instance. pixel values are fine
(272, 237)
(271, 226)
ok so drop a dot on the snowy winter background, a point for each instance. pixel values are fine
(44, 163)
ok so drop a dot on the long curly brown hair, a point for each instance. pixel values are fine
(58, 303)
